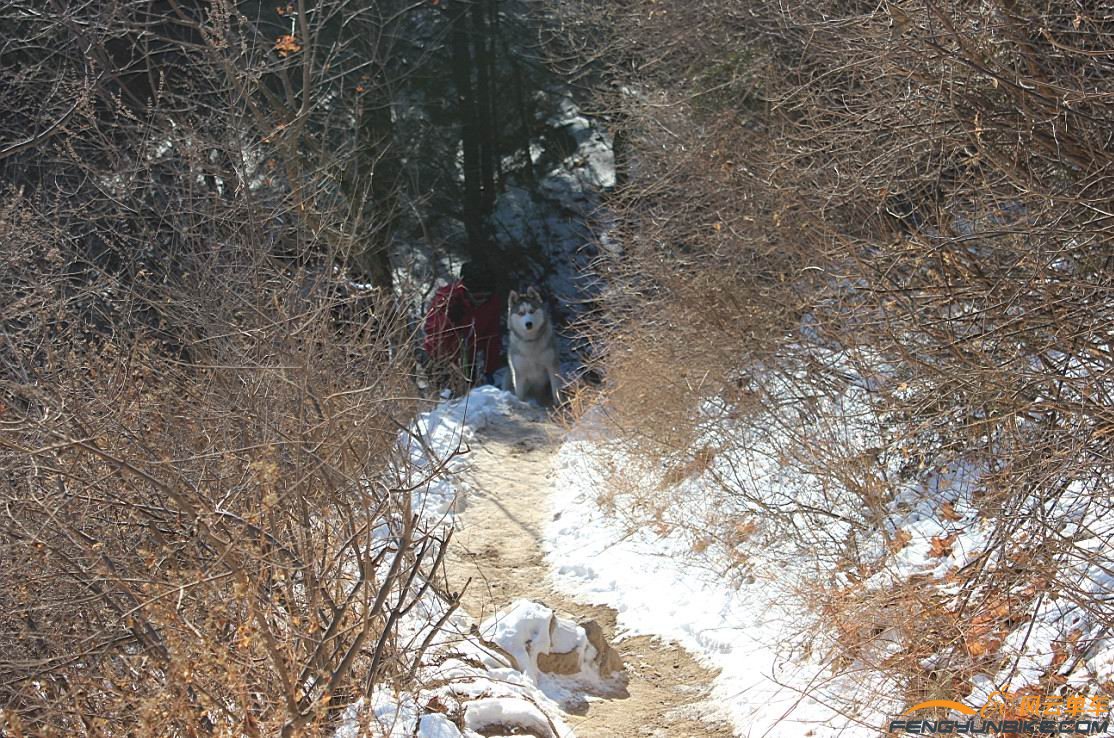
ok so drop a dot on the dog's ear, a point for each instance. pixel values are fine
(533, 294)
(512, 298)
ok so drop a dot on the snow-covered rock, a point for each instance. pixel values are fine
(541, 642)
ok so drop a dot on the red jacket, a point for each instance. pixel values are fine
(454, 320)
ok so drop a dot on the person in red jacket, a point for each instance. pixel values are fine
(463, 333)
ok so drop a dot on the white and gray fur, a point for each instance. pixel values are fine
(532, 349)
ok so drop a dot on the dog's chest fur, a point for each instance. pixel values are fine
(535, 356)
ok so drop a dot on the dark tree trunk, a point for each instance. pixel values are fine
(483, 46)
(524, 109)
(379, 169)
(494, 33)
(463, 64)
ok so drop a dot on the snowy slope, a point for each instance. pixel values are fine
(752, 609)
(750, 627)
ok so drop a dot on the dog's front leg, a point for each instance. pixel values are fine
(519, 386)
(555, 386)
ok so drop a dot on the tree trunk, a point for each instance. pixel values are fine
(463, 64)
(483, 47)
(383, 166)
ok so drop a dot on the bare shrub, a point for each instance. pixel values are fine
(206, 528)
(217, 546)
(906, 205)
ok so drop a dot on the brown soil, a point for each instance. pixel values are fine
(498, 547)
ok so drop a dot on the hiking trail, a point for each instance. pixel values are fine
(498, 546)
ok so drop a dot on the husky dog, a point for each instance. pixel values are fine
(532, 349)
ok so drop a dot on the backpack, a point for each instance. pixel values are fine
(447, 322)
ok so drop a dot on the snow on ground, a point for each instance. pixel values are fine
(467, 686)
(748, 627)
(435, 448)
(752, 614)
(530, 632)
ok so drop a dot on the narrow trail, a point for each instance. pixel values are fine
(498, 546)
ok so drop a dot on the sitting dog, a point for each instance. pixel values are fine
(532, 349)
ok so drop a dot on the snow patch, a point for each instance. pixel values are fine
(749, 630)
(436, 446)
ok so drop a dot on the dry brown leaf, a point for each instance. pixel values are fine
(900, 540)
(287, 45)
(942, 545)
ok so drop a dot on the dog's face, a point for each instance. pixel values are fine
(526, 313)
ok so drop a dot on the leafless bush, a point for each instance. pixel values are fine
(910, 202)
(216, 546)
(204, 528)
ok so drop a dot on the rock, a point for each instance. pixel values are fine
(608, 661)
(554, 661)
(559, 663)
(505, 716)
(535, 640)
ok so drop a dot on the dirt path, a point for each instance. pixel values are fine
(498, 546)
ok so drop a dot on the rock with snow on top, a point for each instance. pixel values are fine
(495, 716)
(437, 726)
(541, 642)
